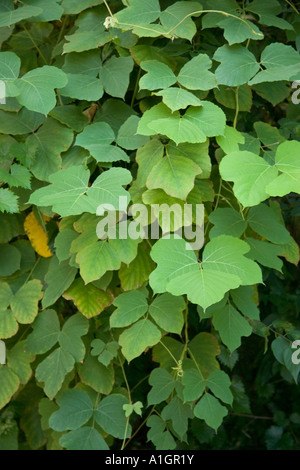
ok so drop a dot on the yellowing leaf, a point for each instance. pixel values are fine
(37, 235)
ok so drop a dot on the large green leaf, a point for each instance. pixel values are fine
(189, 75)
(250, 174)
(110, 415)
(231, 326)
(281, 62)
(114, 74)
(238, 65)
(75, 410)
(287, 162)
(131, 306)
(36, 88)
(69, 193)
(53, 370)
(211, 410)
(138, 337)
(169, 171)
(223, 267)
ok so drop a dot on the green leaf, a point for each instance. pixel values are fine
(110, 415)
(219, 384)
(178, 98)
(226, 221)
(250, 174)
(8, 324)
(19, 361)
(238, 65)
(75, 409)
(189, 75)
(45, 333)
(12, 16)
(22, 122)
(69, 193)
(175, 13)
(210, 409)
(96, 375)
(19, 176)
(204, 348)
(142, 13)
(244, 299)
(158, 75)
(265, 253)
(194, 126)
(9, 384)
(166, 311)
(268, 13)
(89, 300)
(85, 438)
(82, 87)
(178, 271)
(71, 7)
(70, 336)
(138, 337)
(231, 140)
(231, 326)
(59, 277)
(137, 272)
(163, 440)
(114, 74)
(287, 162)
(96, 259)
(266, 222)
(171, 169)
(131, 306)
(127, 136)
(8, 201)
(50, 10)
(71, 116)
(45, 147)
(194, 384)
(25, 302)
(281, 62)
(178, 413)
(36, 88)
(162, 384)
(97, 138)
(53, 370)
(237, 31)
(10, 259)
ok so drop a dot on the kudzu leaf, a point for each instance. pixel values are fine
(238, 65)
(110, 415)
(210, 409)
(162, 384)
(231, 326)
(171, 169)
(131, 306)
(250, 174)
(75, 409)
(36, 88)
(138, 337)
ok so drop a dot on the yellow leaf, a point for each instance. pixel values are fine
(37, 235)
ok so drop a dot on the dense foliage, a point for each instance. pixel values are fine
(140, 343)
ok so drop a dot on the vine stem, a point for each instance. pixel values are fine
(197, 12)
(34, 43)
(237, 107)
